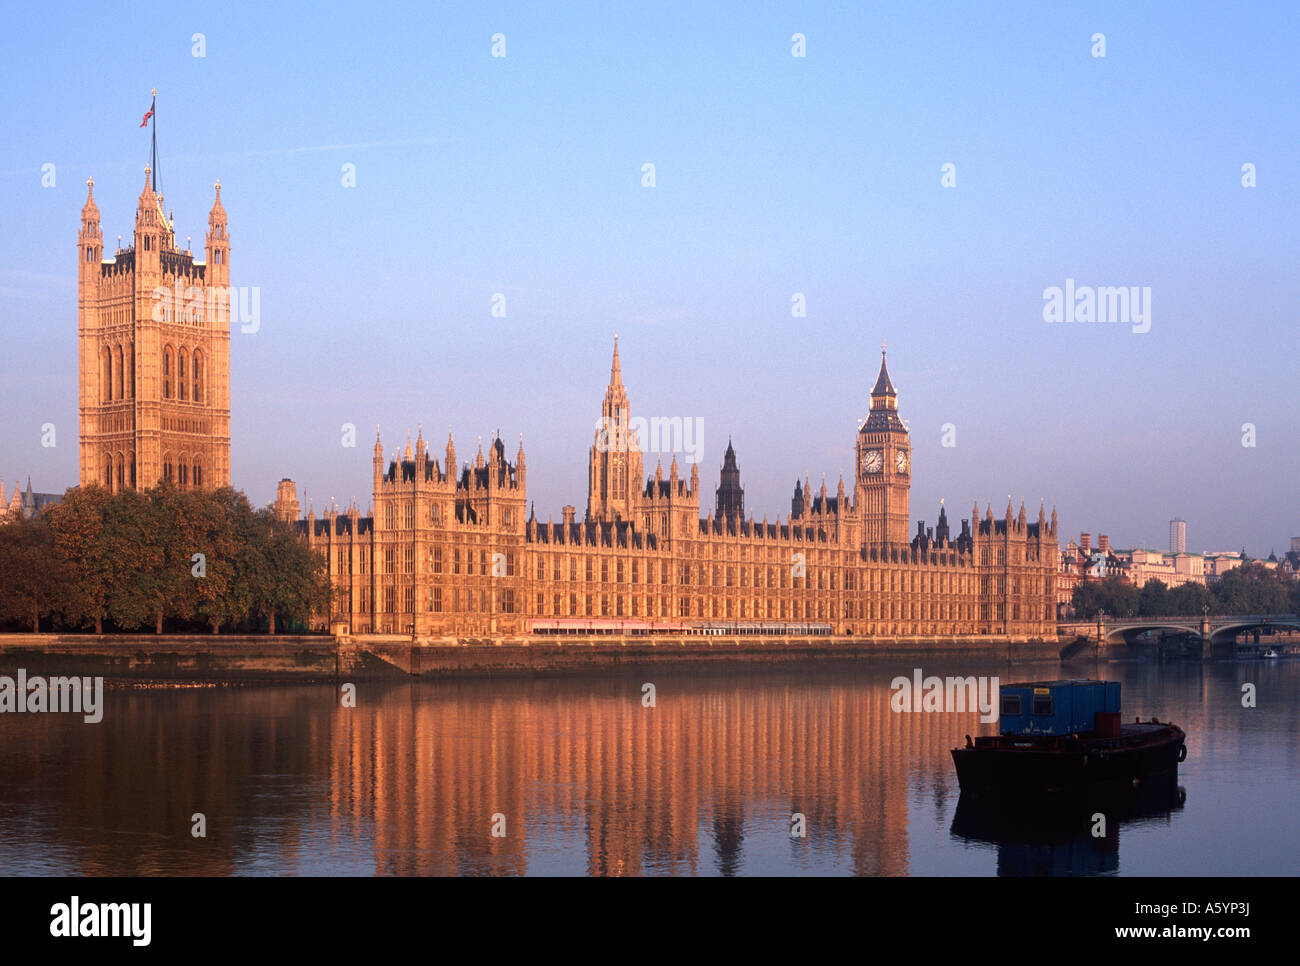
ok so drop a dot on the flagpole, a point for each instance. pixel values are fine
(153, 128)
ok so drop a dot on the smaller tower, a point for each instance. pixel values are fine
(730, 494)
(285, 506)
(218, 242)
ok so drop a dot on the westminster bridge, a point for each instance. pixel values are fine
(1216, 633)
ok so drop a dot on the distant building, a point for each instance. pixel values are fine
(1177, 535)
(1220, 562)
(24, 504)
(1081, 562)
(1171, 569)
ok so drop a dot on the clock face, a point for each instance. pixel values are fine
(872, 461)
(900, 461)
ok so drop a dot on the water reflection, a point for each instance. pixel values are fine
(1071, 837)
(585, 780)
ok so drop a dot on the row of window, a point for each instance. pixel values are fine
(117, 372)
(119, 471)
(182, 373)
(497, 564)
(434, 516)
(183, 474)
(471, 601)
(177, 380)
(590, 605)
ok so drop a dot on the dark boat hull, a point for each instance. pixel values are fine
(1017, 765)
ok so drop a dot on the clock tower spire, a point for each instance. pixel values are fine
(884, 466)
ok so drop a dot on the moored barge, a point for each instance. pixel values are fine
(1065, 736)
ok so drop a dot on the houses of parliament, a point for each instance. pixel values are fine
(452, 549)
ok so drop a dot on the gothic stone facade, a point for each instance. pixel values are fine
(450, 552)
(154, 370)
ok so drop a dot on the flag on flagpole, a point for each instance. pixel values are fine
(147, 114)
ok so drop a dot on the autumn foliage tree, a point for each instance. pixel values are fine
(138, 559)
(33, 581)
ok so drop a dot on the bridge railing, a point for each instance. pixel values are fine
(1180, 618)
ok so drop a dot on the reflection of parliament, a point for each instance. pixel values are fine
(452, 552)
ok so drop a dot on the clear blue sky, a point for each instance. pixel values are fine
(775, 175)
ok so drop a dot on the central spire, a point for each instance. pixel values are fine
(615, 406)
(614, 467)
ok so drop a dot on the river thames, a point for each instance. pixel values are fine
(576, 776)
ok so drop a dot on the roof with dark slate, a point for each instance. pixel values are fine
(883, 386)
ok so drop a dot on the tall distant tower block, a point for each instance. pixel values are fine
(153, 333)
(1178, 535)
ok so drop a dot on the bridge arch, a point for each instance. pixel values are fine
(1121, 629)
(1221, 628)
(1229, 629)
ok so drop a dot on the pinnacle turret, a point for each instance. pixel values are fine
(615, 369)
(90, 210)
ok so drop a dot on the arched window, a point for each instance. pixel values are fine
(197, 375)
(182, 472)
(117, 373)
(198, 475)
(181, 382)
(108, 471)
(128, 368)
(167, 373)
(167, 468)
(121, 471)
(131, 461)
(106, 375)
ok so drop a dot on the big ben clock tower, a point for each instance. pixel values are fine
(884, 466)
